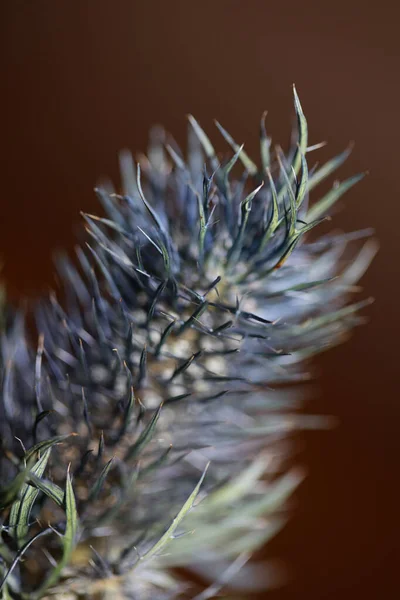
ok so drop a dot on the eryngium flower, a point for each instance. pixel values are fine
(189, 306)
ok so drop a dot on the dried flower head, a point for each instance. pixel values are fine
(191, 303)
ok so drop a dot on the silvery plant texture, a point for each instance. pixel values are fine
(148, 425)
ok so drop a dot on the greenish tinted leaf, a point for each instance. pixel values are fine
(292, 199)
(301, 287)
(45, 444)
(9, 493)
(303, 132)
(163, 337)
(274, 221)
(356, 269)
(157, 296)
(204, 141)
(144, 437)
(39, 418)
(254, 539)
(156, 463)
(275, 496)
(303, 187)
(318, 322)
(301, 146)
(111, 224)
(52, 490)
(21, 509)
(265, 143)
(6, 593)
(185, 365)
(68, 539)
(229, 532)
(323, 205)
(293, 241)
(237, 244)
(229, 166)
(248, 164)
(238, 487)
(127, 413)
(194, 317)
(95, 491)
(202, 227)
(164, 540)
(328, 168)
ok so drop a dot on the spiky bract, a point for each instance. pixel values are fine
(192, 302)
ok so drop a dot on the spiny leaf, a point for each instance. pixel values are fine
(323, 205)
(319, 322)
(158, 546)
(231, 163)
(249, 165)
(274, 220)
(163, 337)
(38, 419)
(157, 296)
(144, 437)
(301, 287)
(45, 444)
(301, 144)
(238, 487)
(303, 132)
(158, 224)
(255, 538)
(152, 242)
(193, 317)
(50, 489)
(38, 372)
(202, 226)
(265, 143)
(157, 221)
(9, 493)
(21, 509)
(185, 365)
(96, 489)
(68, 539)
(275, 495)
(204, 140)
(158, 462)
(303, 187)
(292, 199)
(127, 413)
(237, 244)
(111, 224)
(106, 273)
(177, 398)
(328, 168)
(293, 241)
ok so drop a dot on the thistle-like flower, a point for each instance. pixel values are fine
(191, 303)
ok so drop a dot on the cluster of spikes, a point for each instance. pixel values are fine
(149, 426)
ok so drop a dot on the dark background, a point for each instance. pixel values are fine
(80, 80)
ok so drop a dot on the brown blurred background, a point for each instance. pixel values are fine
(82, 79)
